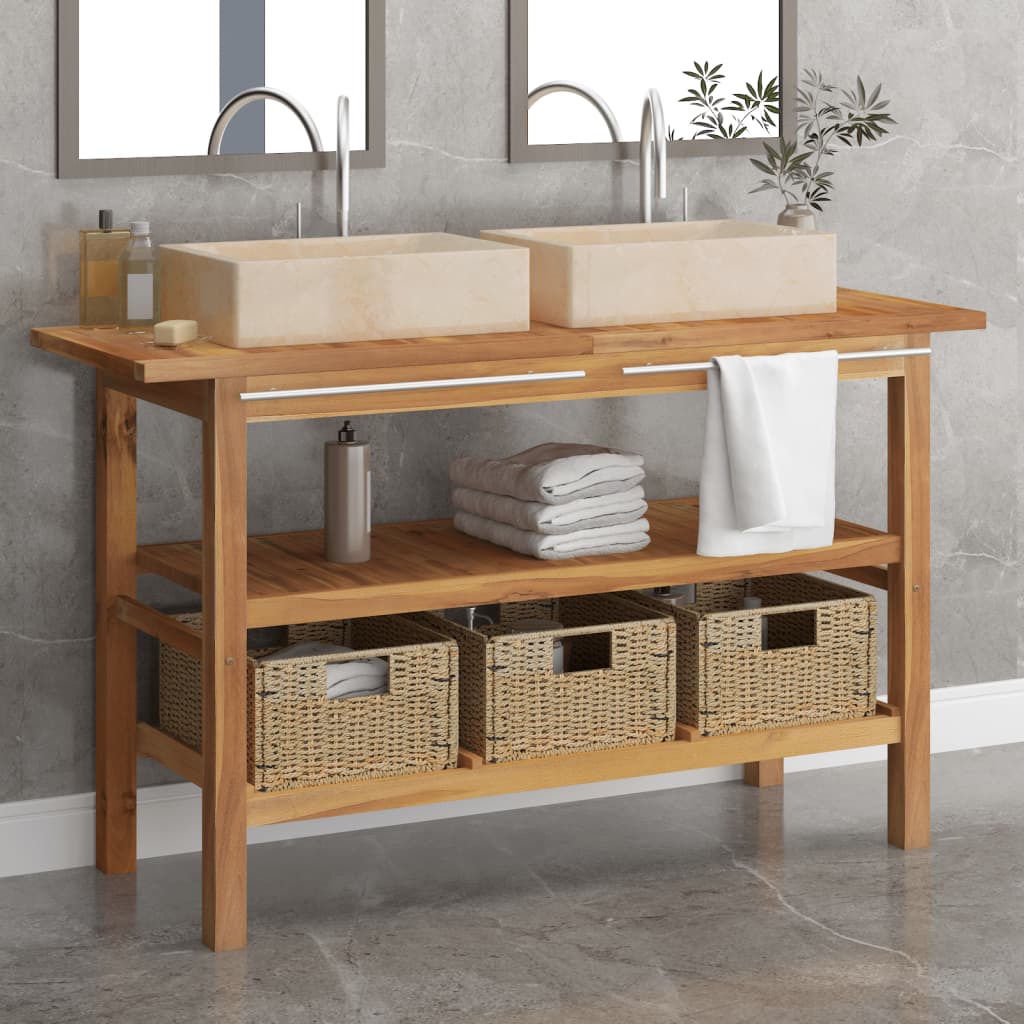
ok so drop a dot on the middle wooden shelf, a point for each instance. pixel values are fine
(417, 566)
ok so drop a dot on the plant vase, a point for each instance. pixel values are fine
(798, 215)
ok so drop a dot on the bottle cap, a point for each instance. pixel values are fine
(347, 433)
(140, 227)
(106, 220)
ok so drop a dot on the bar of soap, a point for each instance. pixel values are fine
(170, 333)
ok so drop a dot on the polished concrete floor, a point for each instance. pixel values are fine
(713, 904)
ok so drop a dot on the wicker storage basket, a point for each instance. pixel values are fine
(297, 737)
(617, 690)
(815, 661)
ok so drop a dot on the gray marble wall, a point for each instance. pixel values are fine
(932, 212)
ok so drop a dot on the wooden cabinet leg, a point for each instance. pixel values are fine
(115, 642)
(224, 667)
(909, 603)
(764, 774)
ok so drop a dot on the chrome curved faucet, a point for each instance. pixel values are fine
(652, 132)
(344, 149)
(247, 96)
(344, 160)
(578, 90)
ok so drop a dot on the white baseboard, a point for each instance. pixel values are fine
(57, 833)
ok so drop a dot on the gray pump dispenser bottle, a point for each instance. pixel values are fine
(347, 498)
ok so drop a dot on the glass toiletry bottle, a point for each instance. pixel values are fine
(99, 251)
(140, 279)
(347, 498)
(750, 603)
(677, 596)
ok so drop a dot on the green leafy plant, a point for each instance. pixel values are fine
(827, 117)
(723, 116)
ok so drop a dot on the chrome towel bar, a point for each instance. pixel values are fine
(886, 353)
(413, 385)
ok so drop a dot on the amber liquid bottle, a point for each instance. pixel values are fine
(99, 254)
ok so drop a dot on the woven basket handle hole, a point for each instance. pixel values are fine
(590, 652)
(352, 680)
(789, 629)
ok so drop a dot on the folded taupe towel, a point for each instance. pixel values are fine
(552, 473)
(611, 540)
(538, 517)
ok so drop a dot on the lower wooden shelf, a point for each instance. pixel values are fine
(416, 566)
(475, 779)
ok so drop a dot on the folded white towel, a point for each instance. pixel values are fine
(610, 540)
(358, 677)
(358, 686)
(552, 473)
(768, 479)
(537, 517)
(305, 649)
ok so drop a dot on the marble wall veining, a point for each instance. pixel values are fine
(932, 212)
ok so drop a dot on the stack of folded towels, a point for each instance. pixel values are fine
(365, 677)
(554, 501)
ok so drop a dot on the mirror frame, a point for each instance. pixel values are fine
(520, 150)
(70, 165)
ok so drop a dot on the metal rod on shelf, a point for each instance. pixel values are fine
(884, 353)
(414, 385)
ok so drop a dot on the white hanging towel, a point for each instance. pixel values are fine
(768, 483)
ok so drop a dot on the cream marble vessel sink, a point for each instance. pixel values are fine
(611, 275)
(368, 288)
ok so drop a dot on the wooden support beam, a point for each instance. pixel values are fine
(116, 495)
(184, 761)
(909, 604)
(873, 575)
(185, 397)
(165, 628)
(467, 759)
(764, 774)
(224, 667)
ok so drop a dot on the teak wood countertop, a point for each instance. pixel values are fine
(859, 315)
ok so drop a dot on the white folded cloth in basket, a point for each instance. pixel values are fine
(609, 540)
(552, 473)
(363, 677)
(538, 517)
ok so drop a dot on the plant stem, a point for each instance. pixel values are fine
(820, 147)
(739, 123)
(786, 194)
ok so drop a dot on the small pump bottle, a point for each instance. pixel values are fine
(140, 278)
(347, 498)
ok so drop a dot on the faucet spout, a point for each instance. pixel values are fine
(344, 165)
(652, 132)
(344, 150)
(593, 98)
(247, 96)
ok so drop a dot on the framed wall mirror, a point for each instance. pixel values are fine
(579, 73)
(141, 84)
